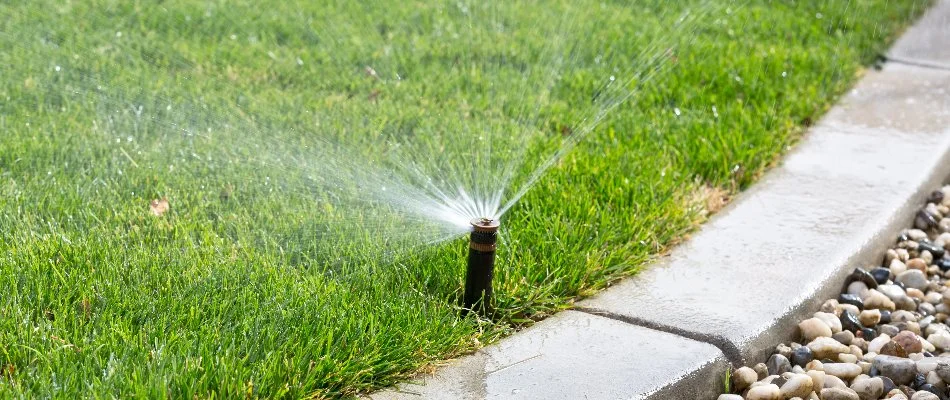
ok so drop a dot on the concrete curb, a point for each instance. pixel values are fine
(741, 284)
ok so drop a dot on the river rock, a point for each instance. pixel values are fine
(869, 317)
(913, 278)
(944, 263)
(860, 275)
(832, 381)
(933, 297)
(826, 347)
(881, 275)
(870, 388)
(933, 249)
(829, 306)
(934, 378)
(829, 319)
(814, 328)
(838, 394)
(764, 392)
(778, 364)
(900, 370)
(843, 337)
(940, 340)
(943, 371)
(875, 345)
(892, 291)
(876, 299)
(915, 293)
(817, 379)
(798, 385)
(847, 358)
(743, 378)
(922, 395)
(849, 321)
(903, 316)
(928, 364)
(891, 348)
(857, 288)
(926, 309)
(852, 299)
(801, 356)
(729, 397)
(897, 266)
(888, 384)
(916, 264)
(909, 341)
(761, 371)
(844, 371)
(888, 329)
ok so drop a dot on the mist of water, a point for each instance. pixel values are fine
(410, 157)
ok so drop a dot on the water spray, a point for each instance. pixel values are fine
(481, 266)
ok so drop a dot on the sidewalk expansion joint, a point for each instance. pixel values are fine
(916, 63)
(724, 345)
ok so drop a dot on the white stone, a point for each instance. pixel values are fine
(829, 319)
(843, 370)
(814, 328)
(826, 347)
(940, 340)
(797, 386)
(764, 392)
(870, 388)
(743, 378)
(869, 317)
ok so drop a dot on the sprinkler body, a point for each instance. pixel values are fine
(481, 266)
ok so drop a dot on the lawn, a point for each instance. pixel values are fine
(297, 256)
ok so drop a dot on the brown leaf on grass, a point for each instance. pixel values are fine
(159, 206)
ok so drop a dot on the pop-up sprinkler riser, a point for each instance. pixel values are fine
(481, 266)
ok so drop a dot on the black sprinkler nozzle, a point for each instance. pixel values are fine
(481, 266)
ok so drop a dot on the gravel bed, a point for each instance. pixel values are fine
(884, 337)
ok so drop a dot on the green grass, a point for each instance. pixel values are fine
(258, 282)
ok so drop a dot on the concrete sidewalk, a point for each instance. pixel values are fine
(740, 285)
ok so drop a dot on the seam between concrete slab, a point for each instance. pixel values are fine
(724, 345)
(917, 63)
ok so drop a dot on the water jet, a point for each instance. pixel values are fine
(481, 266)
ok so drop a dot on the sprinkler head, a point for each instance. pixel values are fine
(481, 266)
